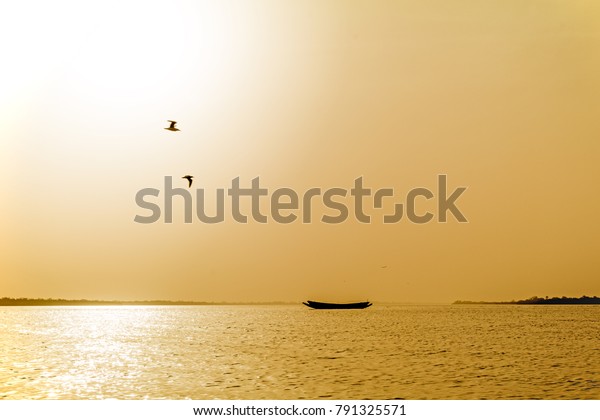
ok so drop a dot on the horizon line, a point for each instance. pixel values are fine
(166, 302)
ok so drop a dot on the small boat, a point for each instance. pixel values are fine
(324, 305)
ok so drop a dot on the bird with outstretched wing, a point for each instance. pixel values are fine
(172, 126)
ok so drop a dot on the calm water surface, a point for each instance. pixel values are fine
(292, 352)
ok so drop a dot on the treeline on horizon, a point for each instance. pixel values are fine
(583, 300)
(7, 301)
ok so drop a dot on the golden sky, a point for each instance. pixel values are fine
(503, 96)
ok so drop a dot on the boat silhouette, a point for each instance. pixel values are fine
(324, 305)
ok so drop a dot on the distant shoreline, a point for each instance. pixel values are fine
(583, 300)
(6, 301)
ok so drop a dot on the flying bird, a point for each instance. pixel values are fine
(172, 126)
(189, 178)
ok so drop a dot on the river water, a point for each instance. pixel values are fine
(292, 352)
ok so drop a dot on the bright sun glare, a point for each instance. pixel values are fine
(109, 50)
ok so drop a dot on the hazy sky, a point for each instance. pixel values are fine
(502, 96)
